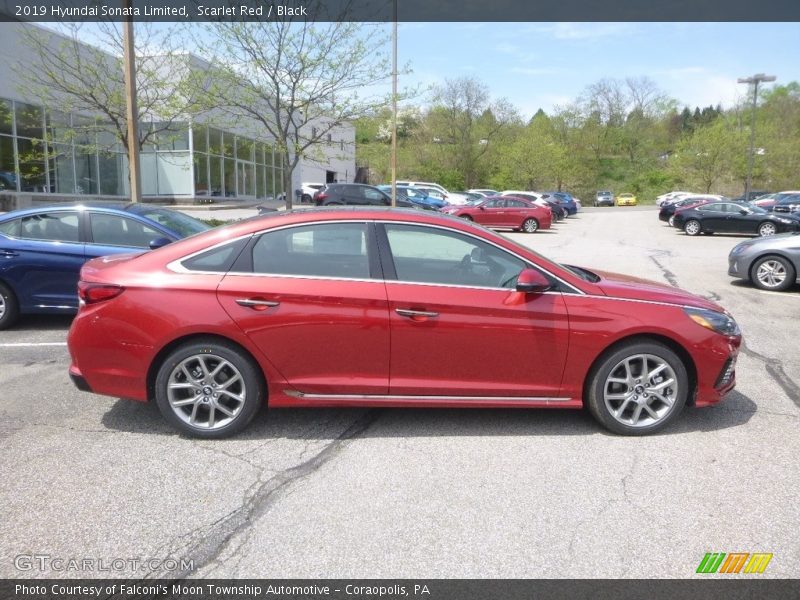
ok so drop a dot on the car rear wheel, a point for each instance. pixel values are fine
(530, 225)
(671, 221)
(638, 389)
(773, 273)
(766, 229)
(466, 217)
(692, 227)
(305, 198)
(209, 389)
(9, 307)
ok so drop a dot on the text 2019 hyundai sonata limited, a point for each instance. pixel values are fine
(388, 307)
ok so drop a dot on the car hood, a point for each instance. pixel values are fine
(617, 285)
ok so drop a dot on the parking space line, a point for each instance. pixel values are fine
(32, 344)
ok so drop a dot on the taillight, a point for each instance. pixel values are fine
(320, 197)
(91, 293)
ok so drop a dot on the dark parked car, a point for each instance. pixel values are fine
(358, 194)
(752, 195)
(771, 263)
(787, 204)
(667, 212)
(558, 211)
(729, 217)
(357, 308)
(42, 250)
(564, 200)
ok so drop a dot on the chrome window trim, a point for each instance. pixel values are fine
(177, 264)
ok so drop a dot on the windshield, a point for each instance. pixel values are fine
(179, 222)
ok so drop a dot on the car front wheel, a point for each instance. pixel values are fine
(773, 273)
(638, 389)
(530, 225)
(692, 227)
(209, 389)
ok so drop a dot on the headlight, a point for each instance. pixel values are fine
(739, 248)
(713, 320)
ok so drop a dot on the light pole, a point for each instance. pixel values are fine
(132, 111)
(754, 80)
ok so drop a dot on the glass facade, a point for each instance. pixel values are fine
(44, 151)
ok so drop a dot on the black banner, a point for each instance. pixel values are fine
(401, 10)
(729, 588)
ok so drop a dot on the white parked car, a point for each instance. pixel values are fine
(671, 197)
(307, 191)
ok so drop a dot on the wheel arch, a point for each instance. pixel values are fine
(158, 359)
(683, 354)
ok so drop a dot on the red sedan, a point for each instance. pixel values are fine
(357, 307)
(505, 211)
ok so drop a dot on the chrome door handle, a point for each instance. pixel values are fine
(404, 312)
(8, 253)
(254, 303)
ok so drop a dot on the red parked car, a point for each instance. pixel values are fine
(357, 307)
(504, 211)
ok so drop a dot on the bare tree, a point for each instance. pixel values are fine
(299, 81)
(464, 118)
(77, 77)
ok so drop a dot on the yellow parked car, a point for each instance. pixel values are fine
(626, 200)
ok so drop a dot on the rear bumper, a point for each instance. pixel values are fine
(78, 379)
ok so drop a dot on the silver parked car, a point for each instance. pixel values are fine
(604, 199)
(771, 263)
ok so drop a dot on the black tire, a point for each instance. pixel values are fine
(9, 307)
(612, 361)
(692, 227)
(530, 225)
(305, 198)
(249, 386)
(466, 217)
(772, 264)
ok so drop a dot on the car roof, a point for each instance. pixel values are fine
(23, 212)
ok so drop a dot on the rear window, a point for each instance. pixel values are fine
(10, 228)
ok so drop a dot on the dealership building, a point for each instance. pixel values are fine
(48, 155)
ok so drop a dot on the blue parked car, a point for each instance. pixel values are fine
(415, 196)
(43, 249)
(565, 200)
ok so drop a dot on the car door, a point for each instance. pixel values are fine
(109, 233)
(49, 257)
(713, 216)
(491, 212)
(312, 299)
(459, 327)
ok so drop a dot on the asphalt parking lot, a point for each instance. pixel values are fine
(419, 493)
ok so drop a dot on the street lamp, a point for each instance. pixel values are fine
(754, 80)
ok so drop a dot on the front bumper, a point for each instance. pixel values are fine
(78, 379)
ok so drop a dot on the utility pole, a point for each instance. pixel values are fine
(754, 80)
(132, 111)
(394, 105)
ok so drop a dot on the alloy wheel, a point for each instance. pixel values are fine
(530, 226)
(641, 390)
(770, 273)
(206, 391)
(692, 228)
(671, 221)
(766, 229)
(2, 306)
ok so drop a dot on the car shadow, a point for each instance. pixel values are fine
(43, 322)
(329, 423)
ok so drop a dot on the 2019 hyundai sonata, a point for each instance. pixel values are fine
(360, 307)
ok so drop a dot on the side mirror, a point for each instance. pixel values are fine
(532, 281)
(482, 207)
(159, 243)
(744, 211)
